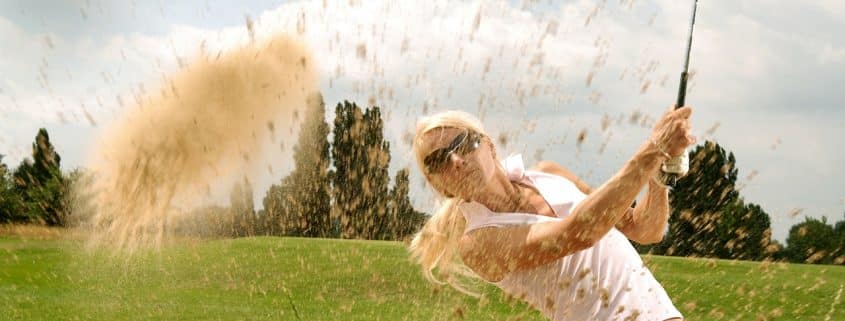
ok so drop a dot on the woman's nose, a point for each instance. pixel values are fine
(456, 160)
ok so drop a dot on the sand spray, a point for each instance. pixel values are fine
(207, 124)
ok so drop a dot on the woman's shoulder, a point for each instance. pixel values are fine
(538, 176)
(561, 193)
(551, 169)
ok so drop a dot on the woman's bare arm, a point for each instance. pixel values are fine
(493, 252)
(645, 223)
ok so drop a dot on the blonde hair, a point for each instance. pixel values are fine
(435, 246)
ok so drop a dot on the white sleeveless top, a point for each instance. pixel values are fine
(605, 282)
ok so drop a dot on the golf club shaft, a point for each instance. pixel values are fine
(678, 166)
(682, 89)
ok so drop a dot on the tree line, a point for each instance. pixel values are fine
(340, 188)
(337, 189)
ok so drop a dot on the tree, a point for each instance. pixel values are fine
(839, 227)
(838, 254)
(78, 198)
(743, 232)
(206, 221)
(758, 240)
(310, 178)
(40, 184)
(697, 201)
(403, 219)
(709, 218)
(301, 204)
(376, 176)
(777, 251)
(275, 219)
(361, 157)
(816, 241)
(811, 241)
(10, 202)
(242, 209)
(346, 179)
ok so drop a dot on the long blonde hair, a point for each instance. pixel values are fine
(435, 246)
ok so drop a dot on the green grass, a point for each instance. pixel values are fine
(270, 278)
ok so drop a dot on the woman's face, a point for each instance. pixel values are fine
(458, 162)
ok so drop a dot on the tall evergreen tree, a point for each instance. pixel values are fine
(347, 178)
(301, 205)
(25, 187)
(404, 219)
(312, 198)
(376, 176)
(361, 157)
(40, 184)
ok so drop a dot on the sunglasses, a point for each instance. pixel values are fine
(463, 144)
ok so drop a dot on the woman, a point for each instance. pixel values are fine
(542, 235)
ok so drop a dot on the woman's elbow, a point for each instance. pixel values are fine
(650, 239)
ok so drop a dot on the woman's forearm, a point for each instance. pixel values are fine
(652, 215)
(603, 208)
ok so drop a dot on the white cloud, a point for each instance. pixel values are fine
(831, 55)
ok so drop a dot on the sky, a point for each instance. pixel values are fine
(766, 84)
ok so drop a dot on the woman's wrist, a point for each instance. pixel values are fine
(660, 148)
(650, 157)
(657, 182)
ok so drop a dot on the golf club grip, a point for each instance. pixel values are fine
(674, 168)
(682, 91)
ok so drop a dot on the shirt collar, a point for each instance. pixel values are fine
(514, 167)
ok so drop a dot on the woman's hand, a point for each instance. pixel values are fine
(671, 135)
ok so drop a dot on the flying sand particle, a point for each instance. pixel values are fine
(582, 135)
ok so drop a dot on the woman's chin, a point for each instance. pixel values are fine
(466, 185)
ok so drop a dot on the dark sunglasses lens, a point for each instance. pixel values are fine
(436, 161)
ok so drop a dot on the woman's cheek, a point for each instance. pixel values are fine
(487, 170)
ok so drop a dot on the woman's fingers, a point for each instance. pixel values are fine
(673, 130)
(684, 112)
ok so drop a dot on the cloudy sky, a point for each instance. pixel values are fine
(767, 77)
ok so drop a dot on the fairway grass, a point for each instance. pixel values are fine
(272, 278)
